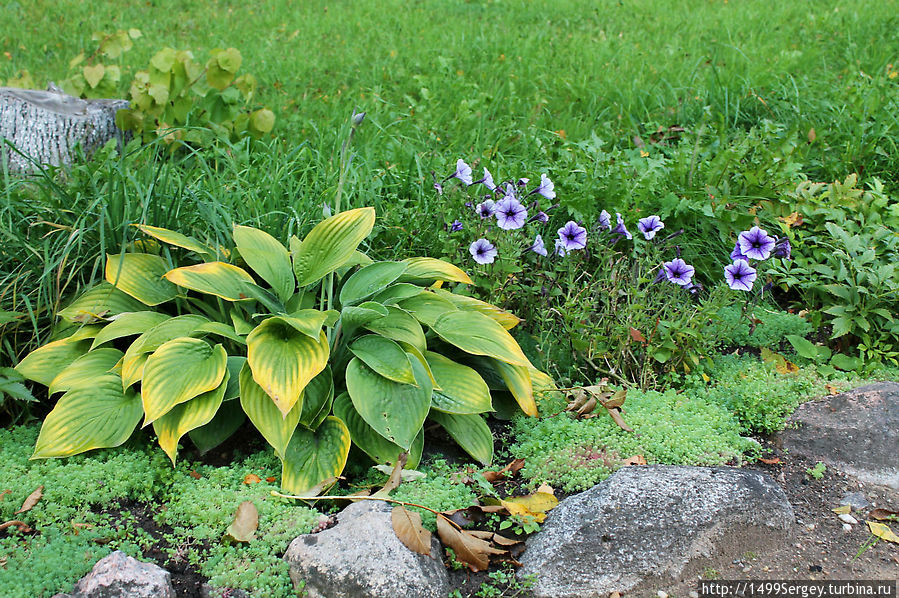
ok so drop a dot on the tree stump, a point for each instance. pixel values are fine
(47, 126)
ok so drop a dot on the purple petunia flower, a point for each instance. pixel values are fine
(736, 254)
(510, 214)
(456, 226)
(538, 247)
(486, 208)
(487, 180)
(482, 251)
(546, 188)
(439, 188)
(463, 172)
(782, 248)
(523, 181)
(542, 217)
(679, 272)
(755, 243)
(605, 220)
(650, 225)
(560, 248)
(740, 275)
(573, 236)
(620, 229)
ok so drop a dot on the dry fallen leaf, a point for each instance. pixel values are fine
(616, 416)
(77, 527)
(270, 479)
(511, 469)
(771, 461)
(469, 549)
(843, 510)
(32, 500)
(396, 477)
(195, 475)
(781, 363)
(882, 514)
(635, 460)
(882, 531)
(408, 528)
(637, 336)
(812, 135)
(546, 489)
(4, 493)
(251, 478)
(245, 524)
(23, 527)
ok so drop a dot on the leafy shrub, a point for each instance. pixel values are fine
(731, 328)
(289, 356)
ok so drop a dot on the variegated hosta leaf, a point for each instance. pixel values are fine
(317, 399)
(314, 457)
(127, 324)
(471, 432)
(213, 278)
(136, 354)
(385, 357)
(401, 327)
(330, 244)
(502, 317)
(45, 363)
(307, 321)
(178, 371)
(462, 390)
(101, 415)
(175, 238)
(274, 426)
(218, 329)
(373, 444)
(267, 257)
(103, 300)
(184, 417)
(426, 270)
(370, 280)
(427, 307)
(395, 411)
(141, 276)
(478, 334)
(284, 360)
(518, 381)
(85, 369)
(227, 420)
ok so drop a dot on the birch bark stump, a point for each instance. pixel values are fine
(48, 125)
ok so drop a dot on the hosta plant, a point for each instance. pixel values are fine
(318, 346)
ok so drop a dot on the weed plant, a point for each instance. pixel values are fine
(732, 327)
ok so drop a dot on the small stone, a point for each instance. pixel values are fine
(693, 594)
(847, 528)
(810, 527)
(847, 518)
(662, 594)
(856, 500)
(747, 569)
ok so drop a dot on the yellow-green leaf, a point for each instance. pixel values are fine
(141, 276)
(518, 381)
(314, 457)
(462, 390)
(93, 74)
(427, 307)
(478, 334)
(385, 357)
(397, 292)
(127, 324)
(883, 531)
(307, 321)
(502, 317)
(213, 278)
(152, 339)
(187, 416)
(318, 396)
(101, 415)
(330, 244)
(178, 371)
(267, 257)
(284, 360)
(85, 369)
(274, 426)
(471, 432)
(45, 363)
(399, 326)
(177, 239)
(103, 300)
(426, 270)
(370, 280)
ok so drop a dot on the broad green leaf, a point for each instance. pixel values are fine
(370, 280)
(213, 278)
(400, 326)
(373, 444)
(385, 357)
(140, 275)
(502, 317)
(45, 363)
(427, 270)
(427, 307)
(395, 411)
(804, 348)
(235, 365)
(178, 371)
(136, 354)
(187, 416)
(85, 369)
(518, 381)
(177, 239)
(284, 360)
(318, 397)
(219, 329)
(478, 334)
(330, 244)
(353, 317)
(315, 457)
(241, 325)
(307, 321)
(471, 432)
(103, 300)
(268, 299)
(414, 353)
(274, 426)
(128, 324)
(267, 257)
(462, 390)
(397, 292)
(845, 362)
(227, 420)
(99, 416)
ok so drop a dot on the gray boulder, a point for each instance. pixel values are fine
(119, 576)
(361, 557)
(856, 432)
(650, 526)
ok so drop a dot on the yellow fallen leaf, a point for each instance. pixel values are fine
(843, 510)
(883, 532)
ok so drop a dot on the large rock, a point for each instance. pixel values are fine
(119, 576)
(856, 432)
(651, 526)
(361, 557)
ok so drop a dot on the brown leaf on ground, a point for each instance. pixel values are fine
(771, 461)
(32, 500)
(396, 477)
(882, 514)
(4, 493)
(245, 524)
(472, 514)
(270, 479)
(616, 416)
(77, 527)
(635, 460)
(508, 471)
(194, 475)
(23, 527)
(843, 510)
(637, 336)
(407, 527)
(546, 488)
(494, 537)
(469, 549)
(616, 399)
(251, 478)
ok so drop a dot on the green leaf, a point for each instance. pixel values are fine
(427, 270)
(397, 292)
(163, 60)
(178, 371)
(395, 411)
(219, 329)
(845, 362)
(841, 326)
(177, 239)
(128, 324)
(401, 327)
(385, 357)
(102, 300)
(370, 280)
(353, 317)
(262, 121)
(317, 399)
(85, 369)
(475, 333)
(804, 348)
(45, 363)
(462, 390)
(370, 442)
(267, 257)
(427, 307)
(229, 60)
(315, 457)
(227, 420)
(274, 426)
(187, 416)
(141, 276)
(307, 321)
(284, 360)
(93, 74)
(471, 432)
(330, 244)
(213, 278)
(99, 416)
(152, 339)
